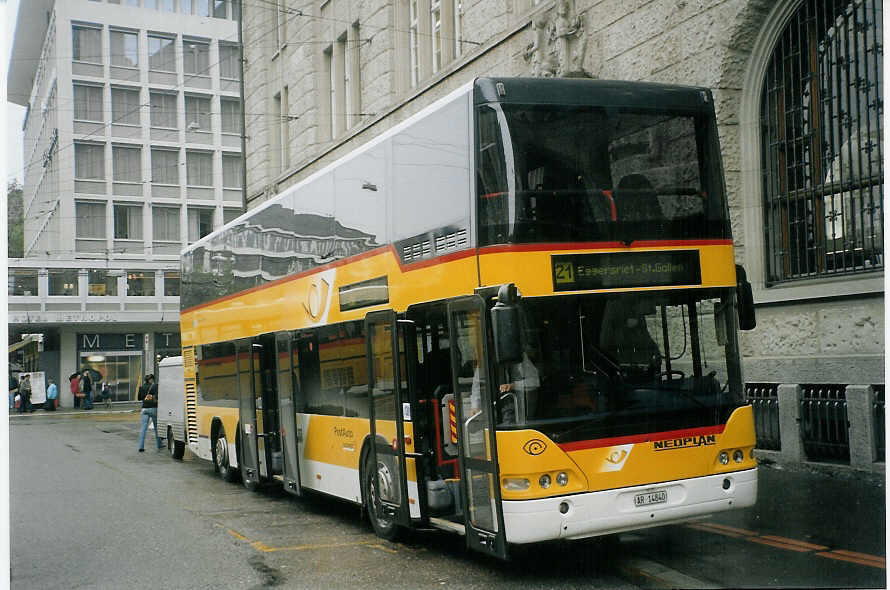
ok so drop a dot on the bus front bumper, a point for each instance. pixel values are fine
(612, 511)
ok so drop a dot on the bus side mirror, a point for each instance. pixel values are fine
(505, 324)
(745, 296)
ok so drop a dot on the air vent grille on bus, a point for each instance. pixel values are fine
(191, 411)
(452, 241)
(188, 359)
(416, 251)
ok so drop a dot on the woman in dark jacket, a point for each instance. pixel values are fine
(148, 395)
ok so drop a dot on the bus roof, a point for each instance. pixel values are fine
(584, 91)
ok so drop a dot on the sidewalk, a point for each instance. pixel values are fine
(98, 409)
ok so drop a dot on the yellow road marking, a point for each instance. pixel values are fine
(260, 546)
(790, 544)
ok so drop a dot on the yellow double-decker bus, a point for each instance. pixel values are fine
(513, 316)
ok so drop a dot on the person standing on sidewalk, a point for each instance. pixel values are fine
(25, 392)
(13, 390)
(52, 394)
(148, 395)
(74, 383)
(86, 388)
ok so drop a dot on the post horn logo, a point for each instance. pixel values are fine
(535, 447)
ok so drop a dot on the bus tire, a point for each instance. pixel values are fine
(221, 463)
(384, 527)
(248, 483)
(176, 447)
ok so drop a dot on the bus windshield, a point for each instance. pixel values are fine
(549, 173)
(600, 366)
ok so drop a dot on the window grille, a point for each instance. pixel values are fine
(821, 141)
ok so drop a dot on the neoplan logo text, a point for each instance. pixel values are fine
(685, 442)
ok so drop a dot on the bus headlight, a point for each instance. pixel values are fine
(516, 484)
(545, 481)
(738, 456)
(723, 457)
(562, 478)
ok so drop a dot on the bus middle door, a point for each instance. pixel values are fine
(477, 455)
(247, 457)
(390, 362)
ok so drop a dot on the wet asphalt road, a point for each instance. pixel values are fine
(88, 511)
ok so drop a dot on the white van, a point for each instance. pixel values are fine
(171, 405)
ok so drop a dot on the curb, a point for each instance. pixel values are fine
(650, 574)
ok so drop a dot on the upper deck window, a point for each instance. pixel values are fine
(577, 173)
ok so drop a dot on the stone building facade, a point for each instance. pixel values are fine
(324, 76)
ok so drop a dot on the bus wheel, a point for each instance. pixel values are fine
(221, 457)
(384, 526)
(176, 447)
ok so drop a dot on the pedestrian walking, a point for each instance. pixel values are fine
(25, 393)
(52, 396)
(148, 395)
(106, 394)
(86, 388)
(74, 383)
(13, 390)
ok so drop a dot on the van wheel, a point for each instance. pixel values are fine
(384, 526)
(221, 462)
(175, 447)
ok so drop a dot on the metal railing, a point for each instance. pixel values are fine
(824, 423)
(878, 412)
(764, 397)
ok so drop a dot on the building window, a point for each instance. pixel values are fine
(63, 281)
(219, 8)
(202, 7)
(164, 166)
(197, 113)
(87, 44)
(161, 53)
(200, 223)
(171, 283)
(89, 161)
(168, 5)
(436, 36)
(88, 102)
(125, 106)
(196, 57)
(821, 143)
(230, 115)
(90, 220)
(231, 169)
(127, 222)
(124, 49)
(126, 163)
(413, 43)
(22, 281)
(101, 283)
(165, 224)
(141, 283)
(229, 61)
(163, 110)
(187, 6)
(199, 168)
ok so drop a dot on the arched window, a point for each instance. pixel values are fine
(821, 142)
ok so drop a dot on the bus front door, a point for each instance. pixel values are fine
(389, 407)
(247, 459)
(287, 415)
(477, 456)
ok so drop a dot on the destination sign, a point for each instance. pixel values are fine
(613, 270)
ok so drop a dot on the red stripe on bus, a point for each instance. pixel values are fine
(598, 245)
(638, 438)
